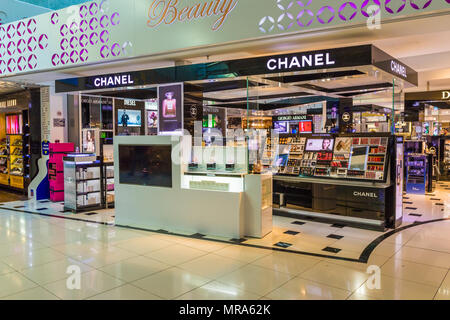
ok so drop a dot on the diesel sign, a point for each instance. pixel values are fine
(365, 194)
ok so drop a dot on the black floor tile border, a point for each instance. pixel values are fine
(90, 213)
(59, 217)
(410, 208)
(198, 235)
(238, 240)
(292, 233)
(300, 223)
(331, 249)
(364, 257)
(415, 214)
(41, 209)
(439, 204)
(407, 202)
(282, 244)
(435, 199)
(338, 225)
(335, 236)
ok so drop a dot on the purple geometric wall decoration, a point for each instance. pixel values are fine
(64, 58)
(31, 26)
(11, 48)
(73, 27)
(2, 50)
(104, 51)
(344, 6)
(2, 67)
(266, 24)
(22, 63)
(83, 26)
(321, 11)
(300, 3)
(84, 40)
(394, 7)
(21, 28)
(54, 18)
(11, 65)
(284, 4)
(93, 23)
(308, 20)
(83, 11)
(11, 31)
(368, 3)
(84, 55)
(43, 41)
(2, 33)
(63, 30)
(64, 44)
(73, 42)
(285, 21)
(55, 59)
(104, 36)
(93, 38)
(93, 9)
(74, 56)
(32, 61)
(115, 49)
(32, 44)
(104, 21)
(416, 4)
(115, 19)
(21, 46)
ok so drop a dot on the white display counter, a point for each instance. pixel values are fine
(224, 202)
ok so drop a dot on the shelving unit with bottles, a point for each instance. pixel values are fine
(14, 150)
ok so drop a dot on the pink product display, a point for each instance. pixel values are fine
(56, 169)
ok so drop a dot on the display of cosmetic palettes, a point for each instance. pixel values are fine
(312, 157)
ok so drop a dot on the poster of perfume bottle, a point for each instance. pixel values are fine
(170, 106)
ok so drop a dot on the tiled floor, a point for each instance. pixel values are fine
(38, 250)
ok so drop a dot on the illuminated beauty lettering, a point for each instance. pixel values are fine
(305, 61)
(398, 69)
(365, 194)
(113, 81)
(446, 95)
(171, 11)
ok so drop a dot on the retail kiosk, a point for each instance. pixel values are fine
(159, 187)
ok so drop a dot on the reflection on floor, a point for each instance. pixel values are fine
(119, 263)
(56, 209)
(7, 196)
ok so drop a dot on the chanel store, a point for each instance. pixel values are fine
(236, 142)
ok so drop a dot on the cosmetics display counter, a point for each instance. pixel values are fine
(337, 177)
(164, 183)
(445, 174)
